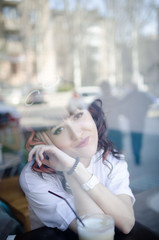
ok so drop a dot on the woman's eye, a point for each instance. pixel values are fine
(58, 131)
(78, 115)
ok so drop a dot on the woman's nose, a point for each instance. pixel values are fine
(75, 131)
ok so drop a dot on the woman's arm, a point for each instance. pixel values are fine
(98, 199)
(84, 204)
(118, 206)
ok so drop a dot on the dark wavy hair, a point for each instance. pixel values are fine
(96, 111)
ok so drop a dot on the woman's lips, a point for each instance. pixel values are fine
(83, 143)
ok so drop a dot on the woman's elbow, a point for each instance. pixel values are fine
(128, 226)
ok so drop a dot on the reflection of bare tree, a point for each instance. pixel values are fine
(77, 53)
(38, 42)
(130, 18)
(75, 30)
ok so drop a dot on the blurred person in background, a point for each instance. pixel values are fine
(111, 107)
(134, 107)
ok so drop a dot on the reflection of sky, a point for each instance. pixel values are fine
(150, 26)
(89, 4)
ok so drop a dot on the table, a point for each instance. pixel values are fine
(139, 232)
(12, 195)
(146, 209)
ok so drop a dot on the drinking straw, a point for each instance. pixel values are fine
(69, 206)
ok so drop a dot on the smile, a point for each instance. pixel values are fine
(83, 143)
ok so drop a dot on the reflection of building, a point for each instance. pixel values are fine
(85, 40)
(38, 43)
(11, 49)
(26, 46)
(101, 49)
(148, 62)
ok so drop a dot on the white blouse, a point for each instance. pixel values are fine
(49, 210)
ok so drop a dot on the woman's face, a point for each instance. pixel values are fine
(76, 135)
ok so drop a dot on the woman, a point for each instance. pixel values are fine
(77, 162)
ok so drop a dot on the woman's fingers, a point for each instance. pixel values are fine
(39, 156)
(57, 159)
(38, 151)
(35, 151)
(30, 156)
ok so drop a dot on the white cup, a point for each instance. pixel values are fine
(97, 227)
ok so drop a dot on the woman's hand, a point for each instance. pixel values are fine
(58, 160)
